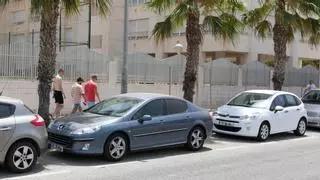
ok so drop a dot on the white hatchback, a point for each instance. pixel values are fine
(259, 113)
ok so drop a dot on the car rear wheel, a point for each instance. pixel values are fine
(196, 139)
(22, 157)
(264, 132)
(301, 128)
(116, 147)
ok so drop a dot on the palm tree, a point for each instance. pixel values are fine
(219, 18)
(290, 17)
(49, 11)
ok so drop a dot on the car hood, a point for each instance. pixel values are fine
(237, 110)
(82, 120)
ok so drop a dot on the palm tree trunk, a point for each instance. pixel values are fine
(193, 34)
(47, 57)
(280, 49)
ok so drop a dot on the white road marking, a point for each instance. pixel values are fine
(38, 175)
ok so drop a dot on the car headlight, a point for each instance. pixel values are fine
(86, 130)
(254, 116)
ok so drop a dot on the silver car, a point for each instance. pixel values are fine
(23, 135)
(131, 122)
(311, 102)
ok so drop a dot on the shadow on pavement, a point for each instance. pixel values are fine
(250, 140)
(4, 173)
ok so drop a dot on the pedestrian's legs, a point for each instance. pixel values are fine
(91, 103)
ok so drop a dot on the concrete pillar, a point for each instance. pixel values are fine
(159, 51)
(294, 55)
(200, 79)
(113, 72)
(240, 79)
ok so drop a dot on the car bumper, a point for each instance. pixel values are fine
(85, 146)
(314, 121)
(242, 128)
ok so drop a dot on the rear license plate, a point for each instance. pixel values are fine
(223, 123)
(56, 147)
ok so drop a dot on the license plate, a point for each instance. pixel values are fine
(56, 147)
(223, 123)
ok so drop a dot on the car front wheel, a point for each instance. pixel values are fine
(196, 139)
(22, 157)
(264, 132)
(301, 128)
(116, 147)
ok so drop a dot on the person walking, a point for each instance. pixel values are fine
(91, 91)
(58, 93)
(310, 86)
(76, 93)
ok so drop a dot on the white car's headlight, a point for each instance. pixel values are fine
(86, 130)
(254, 116)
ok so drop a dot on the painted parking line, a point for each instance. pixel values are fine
(38, 175)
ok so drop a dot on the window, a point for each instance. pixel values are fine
(313, 97)
(154, 108)
(18, 17)
(137, 2)
(6, 110)
(176, 106)
(253, 100)
(139, 27)
(291, 100)
(278, 101)
(116, 107)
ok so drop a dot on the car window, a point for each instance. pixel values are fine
(291, 101)
(154, 108)
(6, 110)
(175, 106)
(251, 100)
(298, 101)
(313, 97)
(278, 101)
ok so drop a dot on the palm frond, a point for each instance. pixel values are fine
(163, 30)
(263, 29)
(71, 7)
(161, 5)
(257, 15)
(314, 39)
(225, 26)
(103, 6)
(4, 2)
(180, 14)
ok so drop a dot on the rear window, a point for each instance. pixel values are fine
(175, 106)
(29, 109)
(313, 97)
(6, 110)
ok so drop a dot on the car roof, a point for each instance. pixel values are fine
(147, 96)
(10, 100)
(271, 92)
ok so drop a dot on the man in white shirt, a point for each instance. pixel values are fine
(76, 93)
(310, 86)
(58, 93)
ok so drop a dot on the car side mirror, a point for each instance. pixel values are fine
(278, 108)
(145, 118)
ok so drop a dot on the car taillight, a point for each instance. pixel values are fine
(210, 115)
(38, 121)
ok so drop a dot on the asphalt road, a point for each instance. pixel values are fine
(283, 157)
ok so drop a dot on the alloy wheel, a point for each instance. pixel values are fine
(264, 131)
(117, 147)
(23, 157)
(197, 138)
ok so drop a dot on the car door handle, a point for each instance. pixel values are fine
(286, 111)
(298, 109)
(5, 128)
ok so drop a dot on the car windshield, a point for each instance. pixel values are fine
(313, 97)
(117, 106)
(251, 100)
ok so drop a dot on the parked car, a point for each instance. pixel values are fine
(23, 135)
(259, 113)
(131, 122)
(311, 102)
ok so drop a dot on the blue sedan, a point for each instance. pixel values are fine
(130, 122)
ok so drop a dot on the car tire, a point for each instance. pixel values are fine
(196, 138)
(116, 147)
(21, 157)
(264, 132)
(301, 128)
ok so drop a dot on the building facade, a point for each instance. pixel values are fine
(106, 34)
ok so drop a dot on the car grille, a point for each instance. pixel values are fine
(312, 114)
(60, 139)
(227, 128)
(230, 116)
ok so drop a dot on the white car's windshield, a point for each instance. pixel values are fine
(252, 100)
(117, 106)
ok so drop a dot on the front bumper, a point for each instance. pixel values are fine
(89, 146)
(314, 121)
(246, 128)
